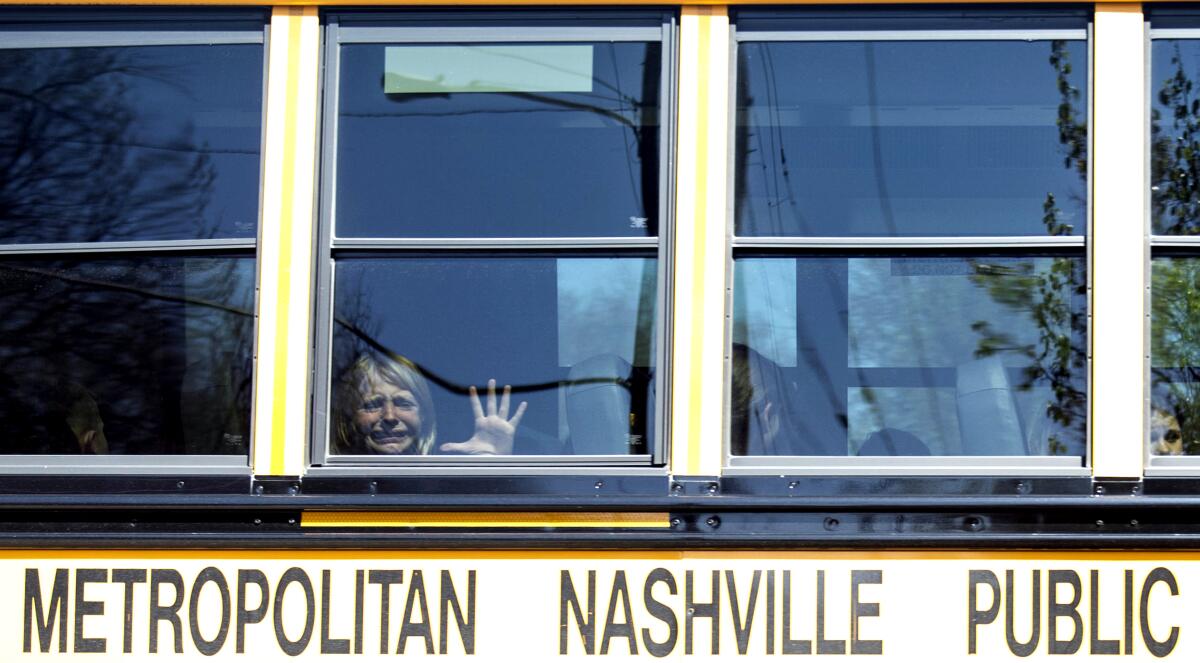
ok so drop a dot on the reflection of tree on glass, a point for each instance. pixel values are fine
(1175, 281)
(104, 144)
(1175, 346)
(164, 344)
(1175, 150)
(124, 144)
(384, 406)
(1049, 296)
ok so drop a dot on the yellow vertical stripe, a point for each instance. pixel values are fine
(287, 207)
(697, 406)
(286, 243)
(699, 228)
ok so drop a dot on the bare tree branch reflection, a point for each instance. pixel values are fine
(161, 344)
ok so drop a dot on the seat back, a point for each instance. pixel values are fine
(598, 405)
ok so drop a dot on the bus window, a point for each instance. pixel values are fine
(910, 284)
(129, 161)
(1175, 221)
(493, 231)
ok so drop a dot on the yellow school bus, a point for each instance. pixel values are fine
(556, 331)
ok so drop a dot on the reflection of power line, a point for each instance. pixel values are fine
(623, 100)
(187, 149)
(460, 389)
(148, 294)
(565, 106)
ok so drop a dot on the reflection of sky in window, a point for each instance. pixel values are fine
(599, 303)
(919, 312)
(764, 301)
(170, 136)
(208, 100)
(433, 69)
(1173, 205)
(562, 163)
(906, 138)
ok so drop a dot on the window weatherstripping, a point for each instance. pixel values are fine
(509, 171)
(127, 240)
(1173, 436)
(910, 297)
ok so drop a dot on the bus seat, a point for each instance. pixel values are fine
(987, 416)
(598, 405)
(893, 442)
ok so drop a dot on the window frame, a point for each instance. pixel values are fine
(1178, 24)
(124, 27)
(800, 247)
(400, 27)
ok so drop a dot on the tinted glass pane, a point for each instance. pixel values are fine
(122, 144)
(567, 146)
(883, 356)
(976, 138)
(1175, 141)
(126, 356)
(1175, 356)
(574, 337)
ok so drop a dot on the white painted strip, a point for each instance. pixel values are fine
(1118, 242)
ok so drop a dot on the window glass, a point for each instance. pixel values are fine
(141, 127)
(498, 140)
(906, 355)
(130, 143)
(911, 138)
(1175, 356)
(139, 355)
(1175, 141)
(574, 337)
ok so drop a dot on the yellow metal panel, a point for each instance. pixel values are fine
(697, 396)
(286, 244)
(517, 3)
(1118, 241)
(554, 606)
(482, 519)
